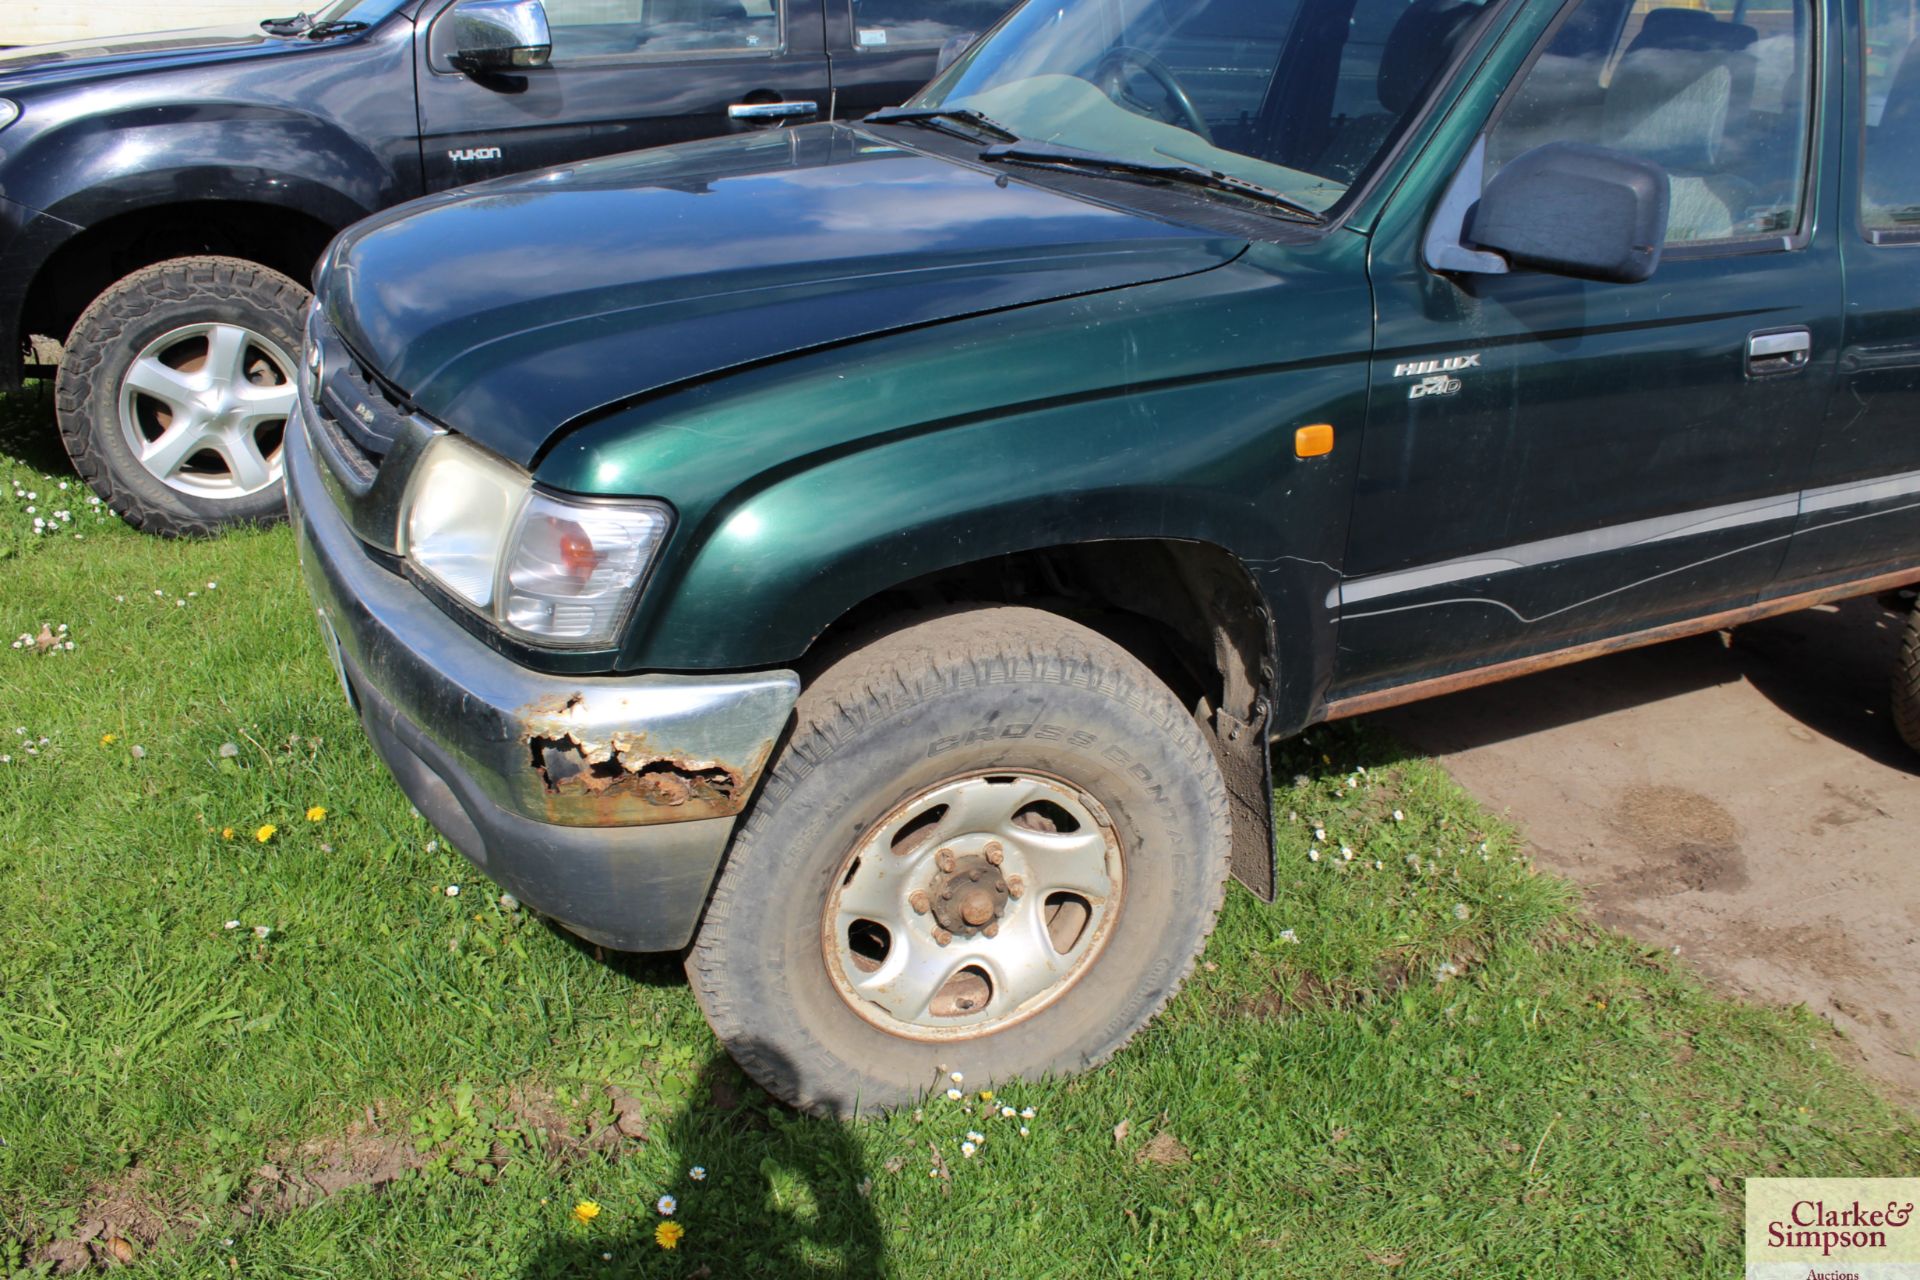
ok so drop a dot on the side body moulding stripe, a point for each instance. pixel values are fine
(1620, 537)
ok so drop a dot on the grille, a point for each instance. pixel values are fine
(356, 410)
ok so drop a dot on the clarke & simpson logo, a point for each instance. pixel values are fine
(1833, 1229)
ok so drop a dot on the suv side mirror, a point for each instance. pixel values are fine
(485, 37)
(1575, 210)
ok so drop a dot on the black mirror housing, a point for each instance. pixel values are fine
(1575, 210)
(487, 37)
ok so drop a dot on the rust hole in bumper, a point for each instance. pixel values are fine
(616, 785)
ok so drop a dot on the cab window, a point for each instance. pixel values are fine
(1890, 176)
(1718, 96)
(587, 30)
(920, 24)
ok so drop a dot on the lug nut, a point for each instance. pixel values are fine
(992, 930)
(974, 874)
(919, 901)
(944, 860)
(994, 853)
(1016, 886)
(942, 937)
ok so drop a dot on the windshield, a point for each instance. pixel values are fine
(1301, 97)
(367, 11)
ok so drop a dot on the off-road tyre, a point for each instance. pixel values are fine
(1906, 682)
(111, 332)
(980, 690)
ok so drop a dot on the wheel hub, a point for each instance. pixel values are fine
(971, 898)
(973, 904)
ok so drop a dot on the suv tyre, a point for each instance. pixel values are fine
(994, 844)
(174, 399)
(1906, 682)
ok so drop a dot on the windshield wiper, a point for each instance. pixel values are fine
(293, 26)
(940, 118)
(1192, 175)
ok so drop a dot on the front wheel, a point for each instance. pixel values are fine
(994, 844)
(175, 392)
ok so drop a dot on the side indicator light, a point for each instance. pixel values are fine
(1313, 441)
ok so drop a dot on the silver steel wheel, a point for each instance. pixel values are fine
(204, 408)
(973, 905)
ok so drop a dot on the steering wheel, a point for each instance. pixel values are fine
(1111, 78)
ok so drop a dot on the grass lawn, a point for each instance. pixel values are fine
(242, 1037)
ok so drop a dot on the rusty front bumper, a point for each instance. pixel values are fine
(604, 802)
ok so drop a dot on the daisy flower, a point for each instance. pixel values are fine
(698, 1173)
(665, 1205)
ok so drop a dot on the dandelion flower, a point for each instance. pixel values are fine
(318, 813)
(666, 1205)
(698, 1173)
(106, 739)
(586, 1211)
(986, 1095)
(954, 1094)
(226, 833)
(265, 833)
(667, 1235)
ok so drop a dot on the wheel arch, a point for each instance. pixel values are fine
(1190, 611)
(284, 239)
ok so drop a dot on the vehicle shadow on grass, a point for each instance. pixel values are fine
(27, 434)
(783, 1196)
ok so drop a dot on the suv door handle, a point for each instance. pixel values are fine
(1777, 352)
(772, 110)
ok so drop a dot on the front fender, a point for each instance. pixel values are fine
(809, 485)
(102, 167)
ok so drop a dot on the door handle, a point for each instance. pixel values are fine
(1777, 352)
(772, 110)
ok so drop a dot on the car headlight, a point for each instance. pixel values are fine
(556, 571)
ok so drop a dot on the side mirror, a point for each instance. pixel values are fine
(484, 37)
(1575, 210)
(951, 48)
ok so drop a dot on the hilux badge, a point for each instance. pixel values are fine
(1435, 375)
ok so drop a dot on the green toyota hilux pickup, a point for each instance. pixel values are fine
(876, 557)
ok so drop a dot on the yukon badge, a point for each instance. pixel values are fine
(1436, 376)
(468, 154)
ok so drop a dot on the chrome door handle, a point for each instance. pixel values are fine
(1781, 351)
(772, 110)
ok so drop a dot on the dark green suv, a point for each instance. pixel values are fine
(877, 557)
